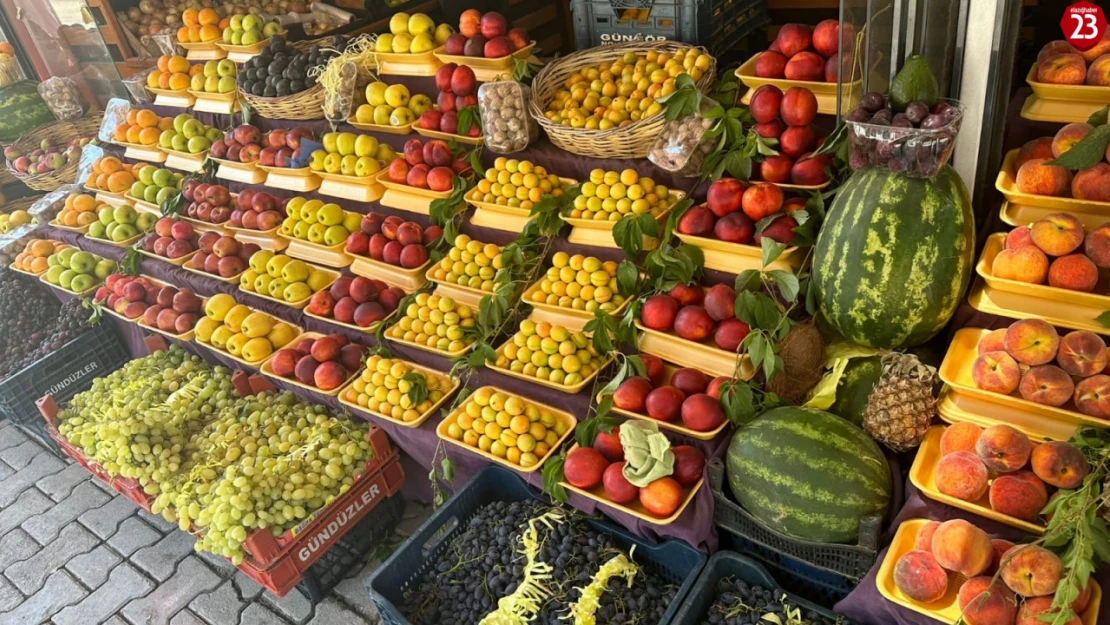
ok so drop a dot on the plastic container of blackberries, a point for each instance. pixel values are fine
(917, 143)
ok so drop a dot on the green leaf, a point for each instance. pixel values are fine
(553, 475)
(786, 282)
(476, 162)
(739, 165)
(1104, 319)
(131, 263)
(468, 116)
(586, 432)
(1086, 152)
(628, 279)
(448, 468)
(771, 250)
(738, 401)
(748, 280)
(1099, 117)
(837, 138)
(419, 387)
(629, 233)
(757, 310)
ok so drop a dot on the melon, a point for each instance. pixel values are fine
(894, 257)
(808, 474)
(855, 388)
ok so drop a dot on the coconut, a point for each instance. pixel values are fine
(803, 360)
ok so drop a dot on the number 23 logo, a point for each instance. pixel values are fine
(1086, 26)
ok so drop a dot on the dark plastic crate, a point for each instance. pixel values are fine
(676, 562)
(797, 578)
(849, 561)
(64, 373)
(728, 564)
(714, 24)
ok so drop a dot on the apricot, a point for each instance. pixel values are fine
(1024, 264)
(919, 577)
(1037, 148)
(1046, 384)
(1069, 135)
(1030, 612)
(959, 437)
(996, 372)
(1060, 464)
(961, 547)
(1021, 495)
(1097, 245)
(924, 539)
(1058, 234)
(1031, 570)
(985, 603)
(995, 341)
(962, 475)
(1038, 178)
(1018, 238)
(1092, 396)
(1082, 353)
(1092, 183)
(1032, 342)
(1003, 448)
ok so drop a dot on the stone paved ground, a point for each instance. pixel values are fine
(74, 553)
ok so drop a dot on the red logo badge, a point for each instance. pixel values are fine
(1084, 25)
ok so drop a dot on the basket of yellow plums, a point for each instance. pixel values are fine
(551, 355)
(579, 285)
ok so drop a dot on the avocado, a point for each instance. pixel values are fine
(915, 82)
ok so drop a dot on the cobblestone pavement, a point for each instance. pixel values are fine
(72, 552)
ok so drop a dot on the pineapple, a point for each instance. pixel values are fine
(902, 403)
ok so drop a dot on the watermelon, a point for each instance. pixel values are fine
(894, 257)
(855, 387)
(808, 474)
(22, 110)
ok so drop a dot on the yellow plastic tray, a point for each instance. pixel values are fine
(1023, 215)
(382, 128)
(124, 243)
(150, 207)
(1006, 183)
(1017, 306)
(1056, 111)
(736, 257)
(254, 48)
(208, 95)
(149, 153)
(669, 370)
(300, 304)
(272, 232)
(404, 189)
(526, 298)
(997, 242)
(565, 417)
(354, 188)
(408, 279)
(955, 371)
(109, 194)
(327, 255)
(476, 62)
(634, 507)
(705, 356)
(1094, 95)
(422, 418)
(365, 181)
(189, 156)
(825, 92)
(78, 229)
(204, 226)
(405, 58)
(923, 476)
(452, 290)
(177, 262)
(947, 608)
(955, 407)
(200, 272)
(562, 388)
(268, 371)
(294, 172)
(251, 166)
(297, 332)
(89, 291)
(201, 45)
(372, 328)
(26, 273)
(446, 136)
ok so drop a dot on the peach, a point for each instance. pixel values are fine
(1098, 73)
(1037, 148)
(1019, 237)
(1097, 245)
(961, 547)
(1046, 384)
(1058, 234)
(959, 437)
(1038, 178)
(1000, 547)
(1082, 353)
(1031, 570)
(1021, 495)
(1062, 69)
(1092, 183)
(1082, 600)
(1099, 49)
(1092, 396)
(993, 342)
(996, 372)
(1068, 136)
(1030, 612)
(1060, 464)
(1003, 448)
(924, 539)
(962, 475)
(1052, 48)
(919, 577)
(985, 603)
(1032, 342)
(1025, 264)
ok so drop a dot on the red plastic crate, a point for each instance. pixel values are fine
(307, 543)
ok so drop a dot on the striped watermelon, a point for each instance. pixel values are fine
(855, 388)
(808, 474)
(894, 257)
(22, 110)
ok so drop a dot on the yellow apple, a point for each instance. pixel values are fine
(397, 95)
(281, 334)
(399, 23)
(235, 316)
(319, 279)
(276, 264)
(218, 306)
(443, 31)
(420, 103)
(256, 350)
(422, 43)
(257, 324)
(235, 343)
(204, 328)
(375, 93)
(382, 113)
(364, 114)
(296, 292)
(420, 24)
(219, 336)
(330, 215)
(384, 43)
(258, 261)
(402, 43)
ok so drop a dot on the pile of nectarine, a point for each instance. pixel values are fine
(167, 308)
(508, 426)
(1037, 177)
(696, 314)
(1022, 471)
(360, 301)
(392, 240)
(224, 256)
(587, 467)
(211, 203)
(690, 396)
(1018, 358)
(1076, 256)
(788, 117)
(804, 52)
(485, 35)
(171, 239)
(1061, 64)
(430, 165)
(731, 212)
(325, 362)
(458, 89)
(997, 574)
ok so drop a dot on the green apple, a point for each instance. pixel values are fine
(165, 140)
(296, 292)
(109, 230)
(82, 262)
(382, 112)
(236, 22)
(237, 38)
(211, 83)
(401, 116)
(335, 235)
(179, 121)
(226, 67)
(210, 68)
(196, 83)
(138, 189)
(65, 280)
(198, 145)
(226, 84)
(124, 214)
(287, 226)
(104, 268)
(228, 34)
(443, 31)
(271, 29)
(246, 280)
(66, 256)
(365, 145)
(164, 194)
(419, 103)
(146, 174)
(122, 232)
(179, 143)
(295, 271)
(82, 283)
(276, 288)
(422, 43)
(192, 128)
(316, 232)
(150, 194)
(162, 177)
(276, 264)
(250, 38)
(97, 230)
(420, 24)
(385, 154)
(104, 215)
(375, 93)
(308, 210)
(252, 22)
(54, 274)
(145, 221)
(347, 165)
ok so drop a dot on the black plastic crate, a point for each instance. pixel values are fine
(677, 562)
(728, 564)
(373, 530)
(797, 578)
(773, 547)
(714, 24)
(95, 353)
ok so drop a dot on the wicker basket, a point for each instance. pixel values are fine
(61, 133)
(630, 141)
(9, 71)
(306, 105)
